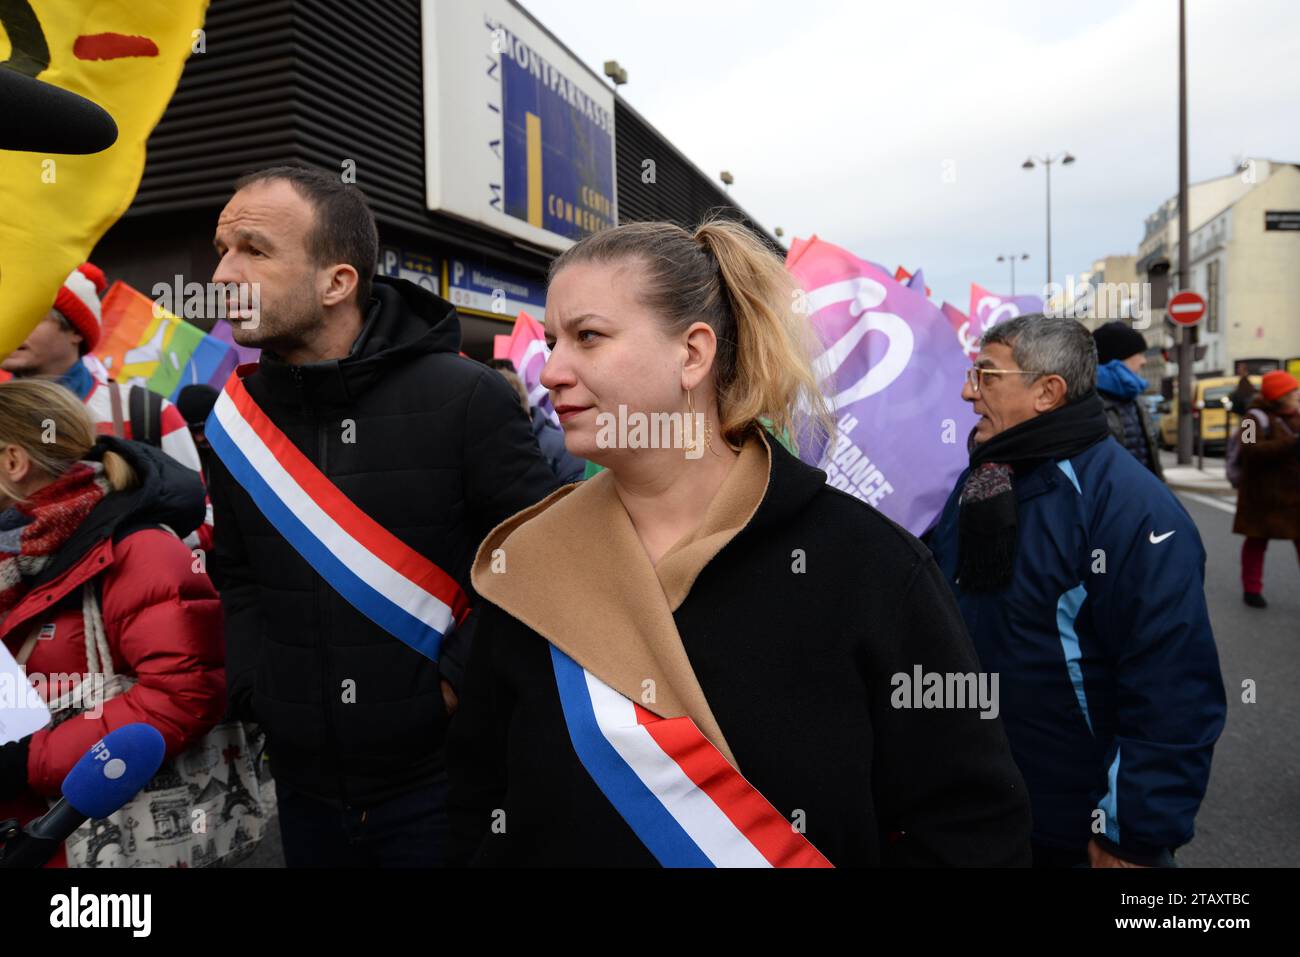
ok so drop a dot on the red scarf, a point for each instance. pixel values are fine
(33, 531)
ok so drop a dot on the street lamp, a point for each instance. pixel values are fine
(1065, 159)
(1012, 257)
(727, 179)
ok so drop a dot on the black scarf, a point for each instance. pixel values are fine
(988, 524)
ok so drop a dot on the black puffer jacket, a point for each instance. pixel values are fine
(432, 446)
(1131, 426)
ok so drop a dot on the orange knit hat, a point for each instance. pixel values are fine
(1277, 384)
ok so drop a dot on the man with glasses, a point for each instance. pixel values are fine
(1081, 580)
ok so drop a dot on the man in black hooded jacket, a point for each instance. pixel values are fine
(363, 376)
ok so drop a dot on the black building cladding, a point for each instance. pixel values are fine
(331, 82)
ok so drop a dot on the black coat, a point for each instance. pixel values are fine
(432, 446)
(797, 669)
(1119, 410)
(550, 438)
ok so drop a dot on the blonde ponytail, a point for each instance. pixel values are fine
(724, 275)
(52, 426)
(119, 472)
(774, 378)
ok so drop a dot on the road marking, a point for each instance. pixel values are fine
(1223, 505)
(1157, 539)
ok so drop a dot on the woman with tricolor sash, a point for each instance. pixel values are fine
(692, 658)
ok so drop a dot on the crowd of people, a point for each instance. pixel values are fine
(462, 653)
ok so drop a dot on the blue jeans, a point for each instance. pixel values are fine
(409, 830)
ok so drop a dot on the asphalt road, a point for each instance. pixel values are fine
(1251, 813)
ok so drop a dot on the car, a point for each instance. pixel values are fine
(1154, 405)
(1213, 397)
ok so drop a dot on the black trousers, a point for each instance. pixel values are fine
(409, 830)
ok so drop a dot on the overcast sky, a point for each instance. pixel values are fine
(840, 117)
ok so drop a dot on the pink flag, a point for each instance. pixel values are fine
(525, 347)
(893, 377)
(987, 309)
(960, 322)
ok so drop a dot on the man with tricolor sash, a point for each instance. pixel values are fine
(356, 469)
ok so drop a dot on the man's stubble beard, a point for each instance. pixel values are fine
(287, 323)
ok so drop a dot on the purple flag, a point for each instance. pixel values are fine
(987, 309)
(222, 332)
(892, 371)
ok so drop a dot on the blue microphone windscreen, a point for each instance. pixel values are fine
(114, 770)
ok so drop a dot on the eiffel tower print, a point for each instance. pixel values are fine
(236, 792)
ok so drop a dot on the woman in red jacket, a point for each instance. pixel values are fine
(77, 513)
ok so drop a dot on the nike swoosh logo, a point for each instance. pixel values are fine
(1157, 539)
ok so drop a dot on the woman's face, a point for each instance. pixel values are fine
(607, 351)
(1289, 402)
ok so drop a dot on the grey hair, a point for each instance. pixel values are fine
(1051, 346)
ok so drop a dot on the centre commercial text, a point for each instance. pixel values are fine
(599, 210)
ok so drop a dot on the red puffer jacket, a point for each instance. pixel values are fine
(162, 621)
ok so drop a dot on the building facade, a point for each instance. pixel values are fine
(393, 97)
(1245, 261)
(1244, 258)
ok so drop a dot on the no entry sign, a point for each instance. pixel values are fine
(1186, 309)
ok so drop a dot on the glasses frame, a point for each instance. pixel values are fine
(975, 375)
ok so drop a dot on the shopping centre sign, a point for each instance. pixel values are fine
(519, 136)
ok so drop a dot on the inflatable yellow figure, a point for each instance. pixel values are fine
(126, 56)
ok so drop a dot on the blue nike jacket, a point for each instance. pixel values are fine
(1110, 687)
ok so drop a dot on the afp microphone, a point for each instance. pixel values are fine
(112, 772)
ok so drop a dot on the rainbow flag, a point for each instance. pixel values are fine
(148, 345)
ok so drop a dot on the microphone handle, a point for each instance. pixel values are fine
(34, 845)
